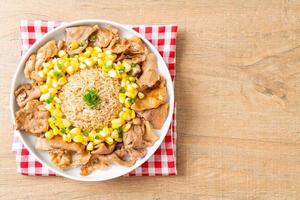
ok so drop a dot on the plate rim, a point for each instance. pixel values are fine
(40, 42)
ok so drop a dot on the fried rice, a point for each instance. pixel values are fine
(77, 111)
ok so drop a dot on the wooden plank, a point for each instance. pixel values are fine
(237, 92)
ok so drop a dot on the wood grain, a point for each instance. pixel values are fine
(237, 90)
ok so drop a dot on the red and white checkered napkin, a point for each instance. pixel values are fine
(163, 162)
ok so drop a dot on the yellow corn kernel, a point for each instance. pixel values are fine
(78, 139)
(101, 55)
(94, 59)
(44, 97)
(89, 62)
(134, 85)
(51, 120)
(57, 105)
(59, 123)
(52, 125)
(61, 81)
(50, 107)
(57, 113)
(127, 103)
(126, 109)
(141, 95)
(92, 135)
(97, 49)
(108, 52)
(131, 94)
(109, 63)
(41, 74)
(85, 140)
(132, 79)
(126, 116)
(43, 89)
(49, 82)
(54, 84)
(45, 64)
(108, 130)
(97, 141)
(70, 69)
(109, 140)
(74, 45)
(122, 97)
(100, 62)
(49, 134)
(116, 123)
(67, 137)
(127, 66)
(52, 91)
(133, 114)
(82, 65)
(57, 68)
(57, 100)
(90, 146)
(61, 53)
(66, 123)
(114, 134)
(112, 73)
(119, 139)
(46, 70)
(56, 131)
(103, 134)
(121, 114)
(123, 82)
(126, 127)
(75, 131)
(74, 62)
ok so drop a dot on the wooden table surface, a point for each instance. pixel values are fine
(237, 89)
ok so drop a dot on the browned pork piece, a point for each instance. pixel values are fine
(137, 46)
(104, 148)
(132, 58)
(35, 61)
(33, 118)
(139, 136)
(102, 161)
(63, 154)
(80, 159)
(65, 159)
(132, 50)
(156, 116)
(61, 158)
(118, 45)
(25, 93)
(60, 44)
(29, 66)
(153, 98)
(79, 34)
(134, 137)
(49, 50)
(135, 70)
(105, 36)
(150, 75)
(58, 143)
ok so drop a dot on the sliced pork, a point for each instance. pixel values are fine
(25, 93)
(156, 116)
(150, 75)
(153, 98)
(32, 118)
(79, 34)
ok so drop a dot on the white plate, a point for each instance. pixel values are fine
(114, 170)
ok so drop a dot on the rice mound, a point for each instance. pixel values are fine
(75, 108)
